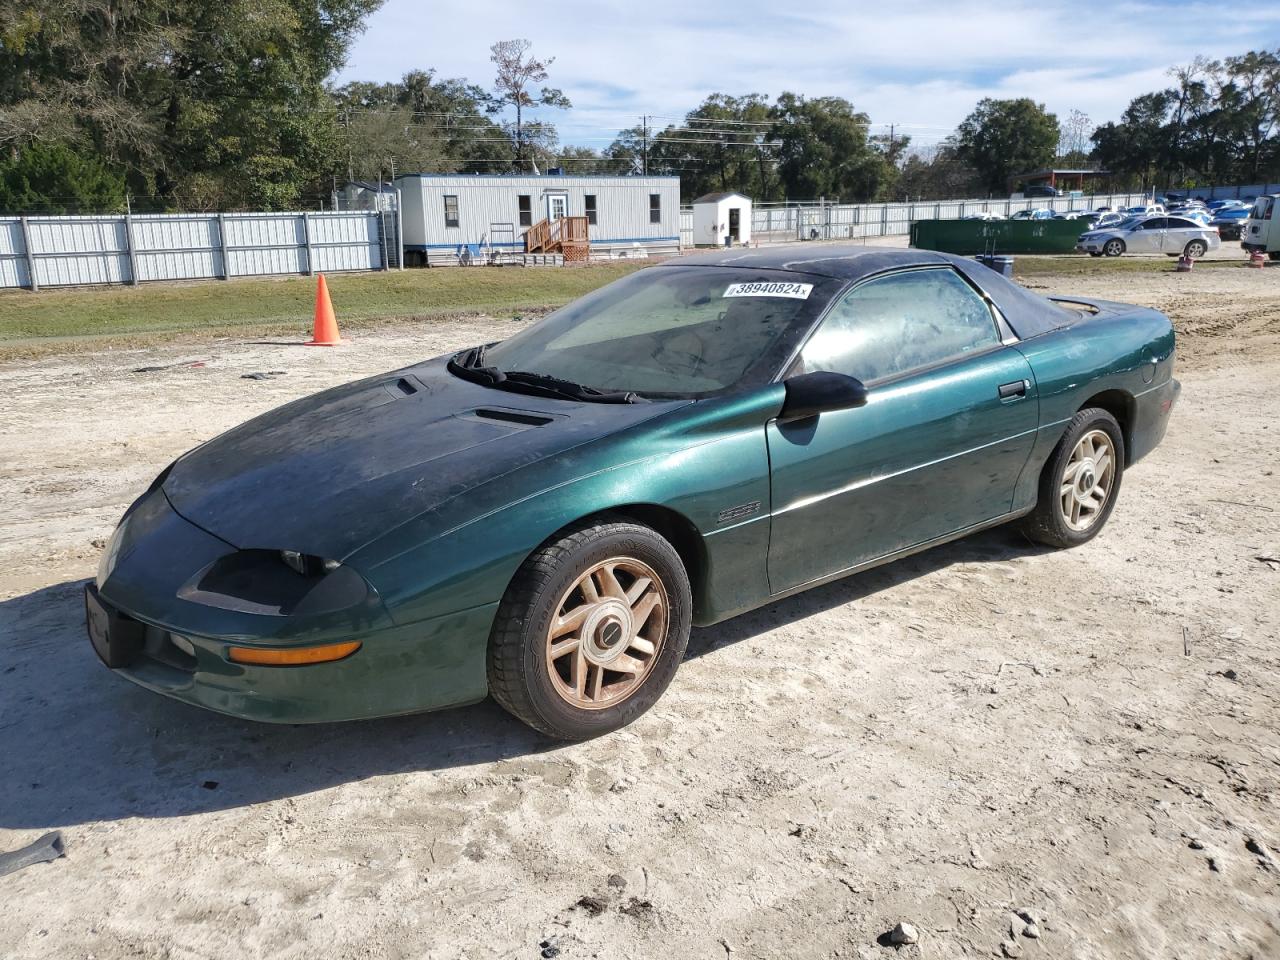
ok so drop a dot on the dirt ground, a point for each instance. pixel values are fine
(986, 727)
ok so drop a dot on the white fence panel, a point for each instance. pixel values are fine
(13, 255)
(68, 251)
(176, 248)
(786, 223)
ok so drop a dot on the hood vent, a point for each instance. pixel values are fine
(521, 417)
(403, 387)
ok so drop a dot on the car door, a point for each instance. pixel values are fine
(1178, 231)
(1148, 237)
(948, 425)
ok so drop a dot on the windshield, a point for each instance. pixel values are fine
(672, 331)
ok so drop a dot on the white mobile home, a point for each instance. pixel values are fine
(446, 215)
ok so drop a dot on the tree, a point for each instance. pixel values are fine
(1002, 138)
(1139, 144)
(1073, 137)
(1216, 123)
(417, 124)
(1254, 81)
(199, 103)
(518, 71)
(824, 151)
(53, 179)
(937, 173)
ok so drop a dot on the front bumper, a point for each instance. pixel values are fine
(149, 627)
(423, 666)
(1090, 246)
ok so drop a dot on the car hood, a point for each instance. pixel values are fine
(327, 474)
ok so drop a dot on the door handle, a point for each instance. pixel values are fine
(1018, 388)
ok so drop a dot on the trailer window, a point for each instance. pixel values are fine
(655, 208)
(450, 210)
(526, 210)
(589, 204)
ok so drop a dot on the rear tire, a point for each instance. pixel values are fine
(1195, 249)
(1113, 248)
(591, 630)
(1080, 483)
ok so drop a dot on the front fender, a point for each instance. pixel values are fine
(707, 462)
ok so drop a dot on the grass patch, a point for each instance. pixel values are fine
(267, 305)
(1029, 267)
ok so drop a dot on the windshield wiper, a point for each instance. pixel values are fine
(557, 387)
(470, 366)
(472, 358)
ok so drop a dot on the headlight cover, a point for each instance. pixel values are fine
(277, 583)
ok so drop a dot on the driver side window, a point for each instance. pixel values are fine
(899, 323)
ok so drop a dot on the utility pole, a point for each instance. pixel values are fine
(644, 144)
(350, 160)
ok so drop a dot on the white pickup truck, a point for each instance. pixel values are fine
(1261, 231)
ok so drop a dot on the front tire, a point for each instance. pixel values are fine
(1113, 248)
(1080, 483)
(591, 630)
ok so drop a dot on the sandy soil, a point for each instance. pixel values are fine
(986, 727)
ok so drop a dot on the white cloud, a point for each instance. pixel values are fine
(921, 66)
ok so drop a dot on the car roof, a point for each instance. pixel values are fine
(842, 261)
(1028, 313)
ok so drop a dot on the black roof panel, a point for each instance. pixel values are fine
(841, 260)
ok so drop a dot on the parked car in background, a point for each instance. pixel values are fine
(1044, 213)
(1041, 190)
(1230, 222)
(1076, 215)
(1175, 236)
(1261, 230)
(983, 215)
(1109, 219)
(1145, 210)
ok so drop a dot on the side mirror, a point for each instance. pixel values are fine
(813, 393)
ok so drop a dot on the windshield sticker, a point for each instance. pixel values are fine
(797, 291)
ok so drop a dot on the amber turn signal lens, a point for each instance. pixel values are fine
(294, 656)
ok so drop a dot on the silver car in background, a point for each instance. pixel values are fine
(1174, 236)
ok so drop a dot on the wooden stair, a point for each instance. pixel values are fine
(568, 236)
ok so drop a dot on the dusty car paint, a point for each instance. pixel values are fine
(434, 493)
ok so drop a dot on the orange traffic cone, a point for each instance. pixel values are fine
(326, 328)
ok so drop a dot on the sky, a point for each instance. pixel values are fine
(919, 65)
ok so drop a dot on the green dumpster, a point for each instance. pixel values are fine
(997, 236)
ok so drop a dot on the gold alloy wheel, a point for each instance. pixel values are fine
(1087, 480)
(608, 631)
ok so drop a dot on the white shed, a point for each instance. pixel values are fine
(446, 215)
(721, 216)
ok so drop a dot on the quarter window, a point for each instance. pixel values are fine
(655, 208)
(450, 210)
(526, 210)
(589, 205)
(899, 323)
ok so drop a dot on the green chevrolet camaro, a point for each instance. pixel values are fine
(543, 520)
